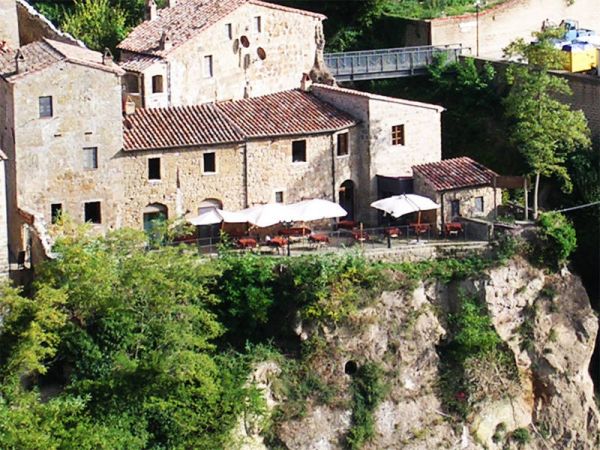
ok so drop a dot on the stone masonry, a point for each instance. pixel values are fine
(9, 28)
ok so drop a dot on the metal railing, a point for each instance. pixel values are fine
(379, 238)
(388, 63)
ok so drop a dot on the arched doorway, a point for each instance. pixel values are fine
(209, 234)
(346, 198)
(154, 212)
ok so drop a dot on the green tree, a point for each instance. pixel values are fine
(544, 129)
(97, 23)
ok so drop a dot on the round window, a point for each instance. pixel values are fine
(245, 42)
(261, 53)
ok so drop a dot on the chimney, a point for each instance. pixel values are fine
(107, 57)
(306, 82)
(165, 41)
(129, 106)
(171, 3)
(20, 62)
(151, 11)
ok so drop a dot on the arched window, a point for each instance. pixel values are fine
(154, 212)
(346, 198)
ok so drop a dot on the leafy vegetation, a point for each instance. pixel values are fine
(368, 390)
(556, 240)
(475, 363)
(430, 9)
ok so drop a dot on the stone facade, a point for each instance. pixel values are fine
(246, 174)
(421, 138)
(214, 65)
(9, 26)
(466, 198)
(500, 25)
(46, 156)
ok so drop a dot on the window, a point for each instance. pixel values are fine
(45, 106)
(55, 211)
(299, 151)
(208, 66)
(229, 31)
(131, 84)
(479, 204)
(154, 168)
(90, 157)
(157, 84)
(257, 24)
(454, 208)
(92, 212)
(279, 197)
(398, 135)
(342, 144)
(210, 163)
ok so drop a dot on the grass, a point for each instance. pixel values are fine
(431, 9)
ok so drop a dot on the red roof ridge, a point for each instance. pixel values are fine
(455, 173)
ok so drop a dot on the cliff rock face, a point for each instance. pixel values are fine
(545, 320)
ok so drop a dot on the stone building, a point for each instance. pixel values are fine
(462, 186)
(199, 51)
(322, 143)
(61, 127)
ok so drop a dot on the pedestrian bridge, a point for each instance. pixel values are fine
(388, 63)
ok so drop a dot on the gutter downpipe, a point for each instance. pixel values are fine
(245, 174)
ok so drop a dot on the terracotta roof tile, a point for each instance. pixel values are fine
(455, 173)
(175, 127)
(325, 87)
(285, 113)
(138, 63)
(41, 54)
(186, 19)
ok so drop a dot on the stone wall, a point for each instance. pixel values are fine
(586, 97)
(33, 26)
(49, 161)
(287, 38)
(9, 28)
(465, 196)
(377, 115)
(500, 25)
(183, 185)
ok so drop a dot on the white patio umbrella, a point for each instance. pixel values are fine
(209, 217)
(268, 214)
(399, 205)
(316, 209)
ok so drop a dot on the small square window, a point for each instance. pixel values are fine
(92, 212)
(55, 211)
(154, 168)
(45, 106)
(157, 84)
(398, 135)
(229, 31)
(479, 204)
(90, 158)
(342, 144)
(209, 163)
(257, 24)
(279, 197)
(299, 151)
(208, 66)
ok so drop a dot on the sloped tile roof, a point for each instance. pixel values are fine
(186, 19)
(285, 113)
(175, 127)
(42, 54)
(326, 87)
(138, 63)
(455, 173)
(288, 113)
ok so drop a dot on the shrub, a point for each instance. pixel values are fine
(556, 239)
(521, 436)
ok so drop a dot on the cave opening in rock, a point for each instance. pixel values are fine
(350, 367)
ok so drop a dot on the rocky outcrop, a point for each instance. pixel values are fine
(545, 320)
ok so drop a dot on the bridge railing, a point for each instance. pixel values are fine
(385, 63)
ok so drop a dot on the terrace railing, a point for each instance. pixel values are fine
(388, 63)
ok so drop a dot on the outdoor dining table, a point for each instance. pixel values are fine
(420, 228)
(246, 242)
(318, 238)
(452, 228)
